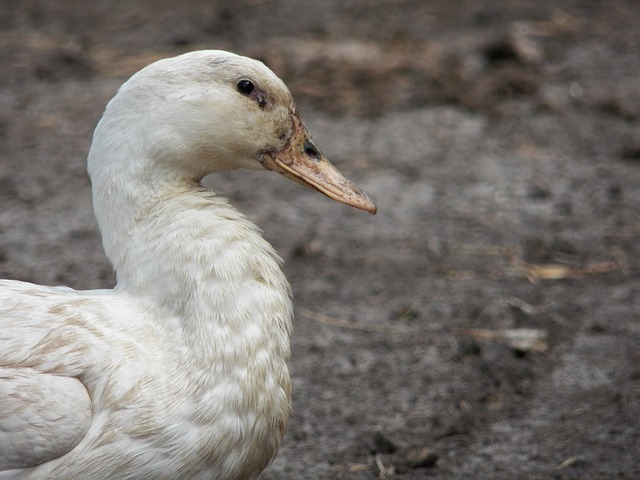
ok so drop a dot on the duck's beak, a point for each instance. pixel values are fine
(301, 161)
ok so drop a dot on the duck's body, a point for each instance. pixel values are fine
(169, 380)
(180, 371)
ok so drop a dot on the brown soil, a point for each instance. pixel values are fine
(501, 141)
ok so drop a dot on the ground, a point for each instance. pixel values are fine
(486, 322)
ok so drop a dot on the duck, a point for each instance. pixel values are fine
(179, 371)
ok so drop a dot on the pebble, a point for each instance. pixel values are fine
(420, 457)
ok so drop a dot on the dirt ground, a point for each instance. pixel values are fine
(486, 323)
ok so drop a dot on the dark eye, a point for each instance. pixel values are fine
(245, 87)
(311, 150)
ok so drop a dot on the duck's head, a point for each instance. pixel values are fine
(209, 111)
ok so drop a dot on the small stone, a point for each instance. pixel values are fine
(378, 443)
(312, 248)
(420, 457)
(468, 346)
(631, 152)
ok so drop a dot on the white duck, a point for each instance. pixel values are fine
(180, 371)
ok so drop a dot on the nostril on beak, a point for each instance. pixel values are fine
(311, 150)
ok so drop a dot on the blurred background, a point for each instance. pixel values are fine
(486, 322)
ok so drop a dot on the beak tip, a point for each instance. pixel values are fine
(372, 209)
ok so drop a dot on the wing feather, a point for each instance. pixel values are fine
(42, 416)
(45, 409)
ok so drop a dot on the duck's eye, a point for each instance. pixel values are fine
(245, 87)
(311, 150)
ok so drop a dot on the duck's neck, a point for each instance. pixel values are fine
(193, 261)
